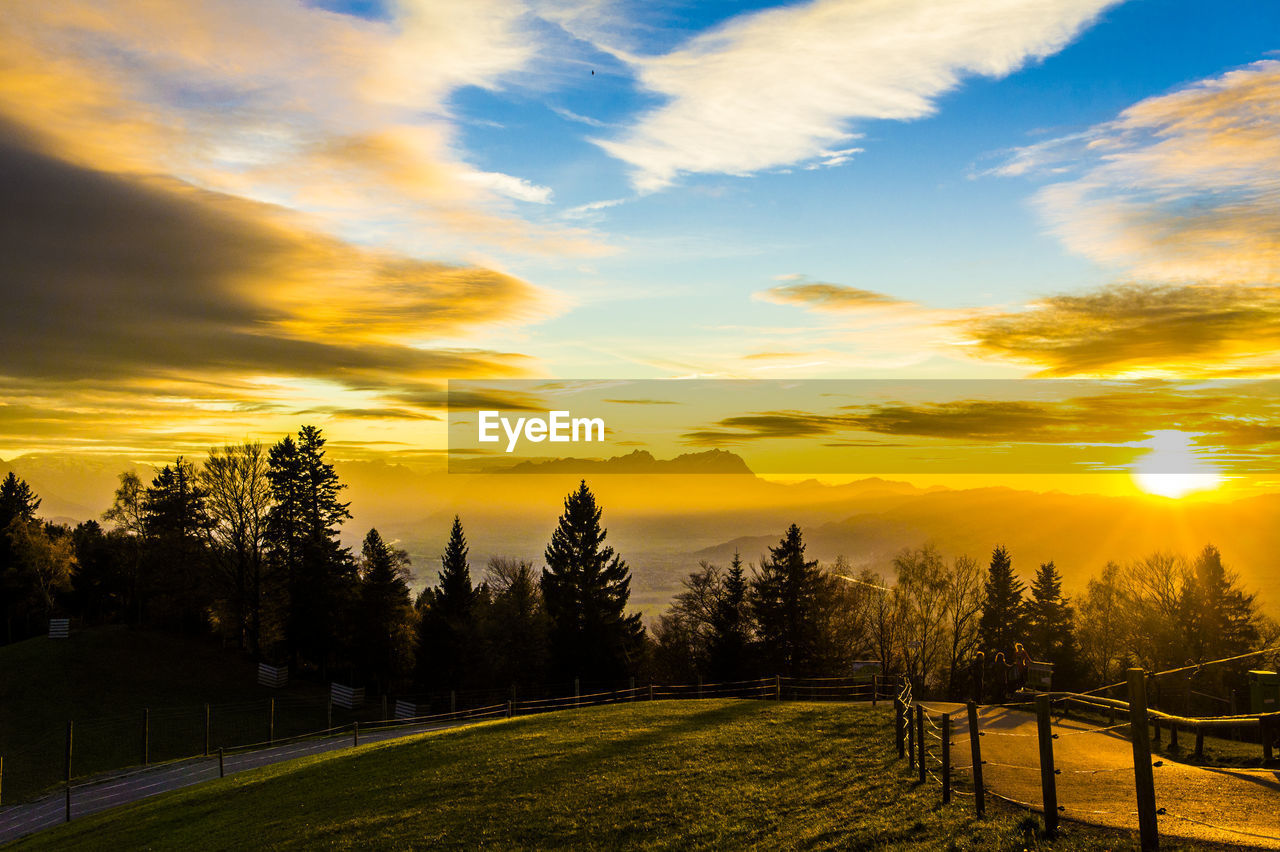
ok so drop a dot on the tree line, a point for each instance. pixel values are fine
(948, 624)
(246, 547)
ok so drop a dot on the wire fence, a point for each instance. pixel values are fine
(1088, 772)
(81, 751)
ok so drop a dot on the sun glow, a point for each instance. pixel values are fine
(1171, 467)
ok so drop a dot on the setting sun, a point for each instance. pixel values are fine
(1171, 467)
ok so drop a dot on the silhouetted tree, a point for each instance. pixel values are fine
(1003, 621)
(100, 584)
(515, 624)
(963, 607)
(176, 557)
(384, 624)
(586, 587)
(1051, 627)
(729, 645)
(302, 539)
(447, 629)
(127, 515)
(784, 600)
(17, 500)
(238, 499)
(18, 505)
(1102, 626)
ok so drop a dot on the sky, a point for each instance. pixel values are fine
(223, 220)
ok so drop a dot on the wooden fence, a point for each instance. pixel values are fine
(917, 726)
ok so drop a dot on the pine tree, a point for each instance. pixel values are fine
(447, 630)
(302, 536)
(1051, 629)
(17, 506)
(784, 599)
(385, 611)
(586, 587)
(17, 500)
(1003, 621)
(728, 648)
(175, 581)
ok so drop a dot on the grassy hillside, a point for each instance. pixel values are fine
(669, 775)
(103, 679)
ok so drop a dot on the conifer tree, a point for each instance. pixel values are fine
(586, 587)
(785, 598)
(302, 536)
(17, 500)
(728, 648)
(385, 611)
(447, 629)
(1003, 621)
(1051, 628)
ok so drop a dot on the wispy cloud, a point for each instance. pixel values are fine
(1180, 188)
(822, 296)
(786, 86)
(1153, 330)
(344, 119)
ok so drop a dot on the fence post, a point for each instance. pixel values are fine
(1048, 779)
(1199, 743)
(920, 758)
(453, 701)
(271, 722)
(146, 736)
(576, 692)
(975, 752)
(650, 690)
(222, 769)
(875, 689)
(207, 726)
(946, 758)
(633, 687)
(1144, 782)
(510, 708)
(70, 731)
(897, 727)
(777, 687)
(911, 737)
(355, 734)
(699, 687)
(1173, 735)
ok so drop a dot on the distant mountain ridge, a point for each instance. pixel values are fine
(638, 461)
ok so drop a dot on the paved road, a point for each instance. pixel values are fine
(99, 794)
(1239, 806)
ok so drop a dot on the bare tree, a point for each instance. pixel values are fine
(1102, 625)
(239, 497)
(922, 585)
(963, 605)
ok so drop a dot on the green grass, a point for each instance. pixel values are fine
(710, 774)
(103, 678)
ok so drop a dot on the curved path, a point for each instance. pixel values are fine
(102, 793)
(1238, 806)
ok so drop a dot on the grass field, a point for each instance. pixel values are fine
(104, 678)
(712, 774)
